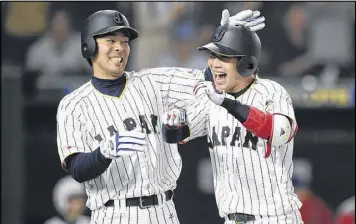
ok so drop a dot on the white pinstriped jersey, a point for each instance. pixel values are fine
(85, 117)
(244, 180)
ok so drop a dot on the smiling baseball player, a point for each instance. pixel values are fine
(250, 124)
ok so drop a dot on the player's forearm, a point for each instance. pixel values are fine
(87, 166)
(238, 110)
(254, 120)
(175, 134)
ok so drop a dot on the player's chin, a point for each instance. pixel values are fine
(221, 87)
(117, 68)
(117, 72)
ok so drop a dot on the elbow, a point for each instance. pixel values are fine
(75, 175)
(281, 131)
(72, 168)
(79, 180)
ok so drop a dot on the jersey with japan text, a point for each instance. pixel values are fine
(86, 117)
(244, 180)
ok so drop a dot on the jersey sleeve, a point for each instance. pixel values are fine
(197, 117)
(71, 132)
(281, 103)
(177, 87)
(174, 84)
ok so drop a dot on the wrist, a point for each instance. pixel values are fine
(105, 147)
(104, 158)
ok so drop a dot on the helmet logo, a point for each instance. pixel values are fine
(219, 33)
(117, 18)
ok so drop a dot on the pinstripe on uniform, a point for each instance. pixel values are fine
(245, 181)
(85, 117)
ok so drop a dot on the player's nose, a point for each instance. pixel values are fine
(216, 63)
(118, 47)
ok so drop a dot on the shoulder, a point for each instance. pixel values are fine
(54, 220)
(83, 220)
(270, 87)
(167, 72)
(347, 206)
(71, 100)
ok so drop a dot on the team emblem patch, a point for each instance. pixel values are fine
(117, 18)
(219, 33)
(282, 132)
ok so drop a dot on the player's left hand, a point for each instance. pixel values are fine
(208, 88)
(248, 18)
(175, 118)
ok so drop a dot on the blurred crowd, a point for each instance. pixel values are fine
(314, 209)
(300, 38)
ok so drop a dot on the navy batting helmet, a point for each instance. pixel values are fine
(100, 23)
(237, 41)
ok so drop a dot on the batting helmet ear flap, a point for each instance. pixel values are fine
(247, 65)
(89, 47)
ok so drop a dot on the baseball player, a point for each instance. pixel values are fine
(346, 211)
(250, 125)
(109, 132)
(69, 201)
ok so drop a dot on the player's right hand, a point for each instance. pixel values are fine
(123, 143)
(209, 89)
(248, 18)
(175, 118)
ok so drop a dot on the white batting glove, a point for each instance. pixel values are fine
(122, 144)
(248, 18)
(175, 118)
(208, 88)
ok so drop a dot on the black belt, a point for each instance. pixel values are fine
(240, 217)
(142, 202)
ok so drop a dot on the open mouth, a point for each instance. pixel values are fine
(220, 75)
(220, 78)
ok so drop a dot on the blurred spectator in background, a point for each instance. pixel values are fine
(346, 212)
(207, 17)
(331, 39)
(154, 21)
(314, 210)
(69, 201)
(79, 11)
(291, 54)
(23, 22)
(182, 52)
(56, 54)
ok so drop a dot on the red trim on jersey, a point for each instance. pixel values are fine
(295, 130)
(261, 125)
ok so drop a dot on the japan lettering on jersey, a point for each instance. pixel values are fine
(86, 117)
(244, 180)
